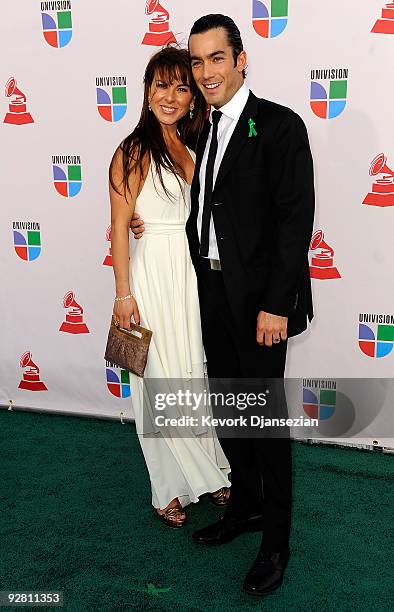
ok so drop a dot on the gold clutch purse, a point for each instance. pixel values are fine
(128, 348)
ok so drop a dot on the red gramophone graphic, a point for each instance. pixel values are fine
(159, 25)
(322, 264)
(385, 25)
(108, 258)
(31, 377)
(17, 114)
(382, 193)
(74, 318)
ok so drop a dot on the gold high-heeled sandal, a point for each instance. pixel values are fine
(174, 517)
(220, 497)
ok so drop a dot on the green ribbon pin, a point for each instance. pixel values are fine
(252, 131)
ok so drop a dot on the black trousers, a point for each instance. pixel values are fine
(261, 468)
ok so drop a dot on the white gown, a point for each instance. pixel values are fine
(163, 281)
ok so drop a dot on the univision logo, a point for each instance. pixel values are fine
(111, 97)
(377, 338)
(319, 398)
(27, 239)
(67, 176)
(118, 380)
(57, 22)
(328, 92)
(269, 17)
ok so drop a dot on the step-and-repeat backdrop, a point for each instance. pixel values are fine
(72, 89)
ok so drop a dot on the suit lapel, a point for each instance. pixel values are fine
(238, 138)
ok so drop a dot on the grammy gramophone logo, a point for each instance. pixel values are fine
(17, 110)
(31, 376)
(382, 190)
(159, 33)
(269, 17)
(385, 23)
(74, 323)
(322, 260)
(57, 22)
(108, 258)
(67, 175)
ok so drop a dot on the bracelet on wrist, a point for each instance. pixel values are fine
(126, 297)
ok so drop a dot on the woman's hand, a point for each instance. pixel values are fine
(124, 310)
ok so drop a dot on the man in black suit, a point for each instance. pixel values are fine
(249, 232)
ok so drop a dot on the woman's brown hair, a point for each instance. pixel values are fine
(169, 64)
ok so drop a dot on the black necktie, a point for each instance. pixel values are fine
(206, 212)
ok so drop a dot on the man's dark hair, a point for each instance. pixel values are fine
(209, 22)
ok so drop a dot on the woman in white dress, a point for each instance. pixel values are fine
(151, 172)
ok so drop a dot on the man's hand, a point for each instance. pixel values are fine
(137, 226)
(271, 329)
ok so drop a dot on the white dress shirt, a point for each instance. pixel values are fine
(231, 113)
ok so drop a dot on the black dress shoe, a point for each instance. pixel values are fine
(266, 573)
(227, 528)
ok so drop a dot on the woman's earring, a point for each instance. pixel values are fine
(191, 110)
(149, 106)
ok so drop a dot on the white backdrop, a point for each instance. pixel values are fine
(56, 60)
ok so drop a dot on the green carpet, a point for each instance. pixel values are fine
(76, 516)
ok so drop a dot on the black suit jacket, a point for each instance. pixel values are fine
(263, 208)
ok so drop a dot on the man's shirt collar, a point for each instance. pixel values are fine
(234, 107)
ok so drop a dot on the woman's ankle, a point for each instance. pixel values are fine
(172, 504)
